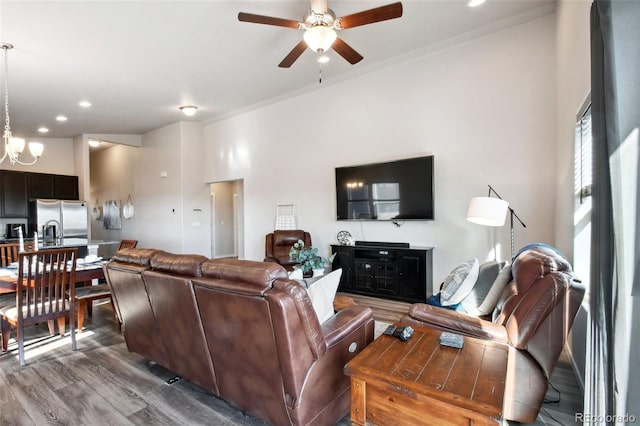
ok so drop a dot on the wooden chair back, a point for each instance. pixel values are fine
(9, 252)
(128, 244)
(45, 291)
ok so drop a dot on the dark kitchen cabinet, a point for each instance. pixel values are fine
(60, 187)
(18, 188)
(15, 201)
(65, 187)
(392, 272)
(40, 186)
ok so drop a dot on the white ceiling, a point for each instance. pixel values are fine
(138, 61)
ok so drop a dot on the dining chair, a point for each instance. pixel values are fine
(9, 252)
(45, 291)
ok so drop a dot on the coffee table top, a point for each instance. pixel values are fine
(471, 378)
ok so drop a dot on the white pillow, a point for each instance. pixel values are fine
(491, 299)
(459, 283)
(322, 292)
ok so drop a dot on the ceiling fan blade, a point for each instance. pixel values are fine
(293, 55)
(346, 51)
(377, 14)
(319, 6)
(268, 20)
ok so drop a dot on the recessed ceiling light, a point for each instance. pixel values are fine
(94, 143)
(189, 110)
(43, 130)
(84, 104)
(61, 118)
(474, 3)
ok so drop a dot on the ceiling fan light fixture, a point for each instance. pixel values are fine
(189, 110)
(320, 37)
(323, 59)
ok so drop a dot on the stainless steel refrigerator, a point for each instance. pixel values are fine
(71, 218)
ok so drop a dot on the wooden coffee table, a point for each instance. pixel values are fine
(421, 382)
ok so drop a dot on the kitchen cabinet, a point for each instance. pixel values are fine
(18, 188)
(392, 272)
(65, 187)
(59, 187)
(15, 201)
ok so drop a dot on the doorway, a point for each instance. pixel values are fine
(227, 219)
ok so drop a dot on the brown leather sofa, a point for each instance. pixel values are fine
(533, 317)
(278, 244)
(240, 329)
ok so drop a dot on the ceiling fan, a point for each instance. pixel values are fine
(320, 25)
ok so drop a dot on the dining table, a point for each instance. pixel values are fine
(85, 273)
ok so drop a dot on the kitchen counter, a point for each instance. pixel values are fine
(103, 248)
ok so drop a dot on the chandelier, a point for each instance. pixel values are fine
(13, 147)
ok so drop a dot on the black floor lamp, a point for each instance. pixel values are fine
(490, 211)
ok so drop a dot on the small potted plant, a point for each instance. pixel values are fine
(308, 258)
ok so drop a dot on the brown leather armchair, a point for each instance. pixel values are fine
(278, 244)
(533, 317)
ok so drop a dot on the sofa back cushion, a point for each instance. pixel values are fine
(130, 297)
(178, 264)
(243, 276)
(178, 322)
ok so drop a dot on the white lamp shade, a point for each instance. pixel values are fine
(16, 145)
(320, 38)
(487, 211)
(36, 149)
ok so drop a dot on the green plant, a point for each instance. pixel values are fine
(307, 257)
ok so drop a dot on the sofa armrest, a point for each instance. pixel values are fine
(455, 322)
(345, 322)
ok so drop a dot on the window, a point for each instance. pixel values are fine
(583, 166)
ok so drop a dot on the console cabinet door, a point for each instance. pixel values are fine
(344, 260)
(14, 194)
(413, 275)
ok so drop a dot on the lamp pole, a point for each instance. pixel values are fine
(512, 214)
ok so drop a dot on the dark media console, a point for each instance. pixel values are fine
(386, 270)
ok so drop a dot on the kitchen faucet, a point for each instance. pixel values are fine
(57, 232)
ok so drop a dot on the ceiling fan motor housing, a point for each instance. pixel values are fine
(312, 18)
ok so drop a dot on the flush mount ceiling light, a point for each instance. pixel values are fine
(189, 110)
(84, 104)
(13, 147)
(474, 3)
(61, 118)
(43, 130)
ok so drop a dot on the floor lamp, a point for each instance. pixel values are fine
(491, 211)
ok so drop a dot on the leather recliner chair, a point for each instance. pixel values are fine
(533, 317)
(278, 244)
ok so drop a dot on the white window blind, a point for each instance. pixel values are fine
(583, 164)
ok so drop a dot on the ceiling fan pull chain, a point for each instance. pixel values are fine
(319, 73)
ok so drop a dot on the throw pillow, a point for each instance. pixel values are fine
(322, 291)
(490, 301)
(459, 282)
(487, 274)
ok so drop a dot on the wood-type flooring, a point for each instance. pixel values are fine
(102, 383)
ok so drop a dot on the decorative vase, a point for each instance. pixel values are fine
(318, 272)
(296, 274)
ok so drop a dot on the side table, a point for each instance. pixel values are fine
(422, 382)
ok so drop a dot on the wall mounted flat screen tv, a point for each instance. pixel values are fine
(397, 190)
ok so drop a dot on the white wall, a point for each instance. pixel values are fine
(195, 207)
(486, 110)
(573, 87)
(57, 158)
(112, 178)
